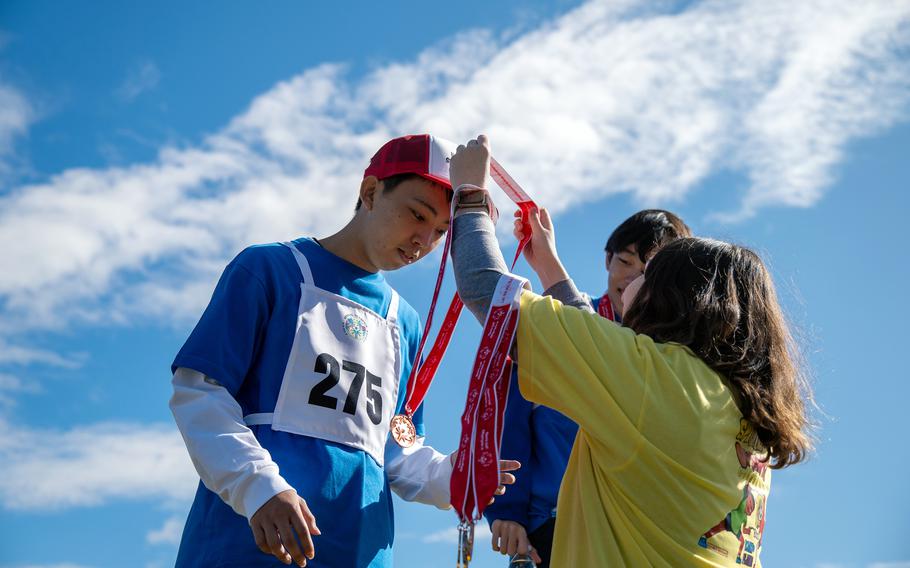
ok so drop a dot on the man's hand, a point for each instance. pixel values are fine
(505, 478)
(471, 163)
(541, 250)
(282, 525)
(511, 538)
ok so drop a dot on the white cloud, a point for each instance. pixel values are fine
(450, 535)
(11, 386)
(92, 465)
(64, 565)
(13, 383)
(141, 78)
(16, 115)
(19, 355)
(169, 533)
(610, 98)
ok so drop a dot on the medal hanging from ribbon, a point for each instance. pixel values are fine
(476, 472)
(421, 377)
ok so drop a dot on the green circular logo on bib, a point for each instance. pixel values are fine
(355, 327)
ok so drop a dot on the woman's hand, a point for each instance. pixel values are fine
(541, 250)
(471, 163)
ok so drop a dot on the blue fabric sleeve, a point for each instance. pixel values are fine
(224, 343)
(516, 445)
(419, 425)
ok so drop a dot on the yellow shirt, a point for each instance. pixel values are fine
(664, 471)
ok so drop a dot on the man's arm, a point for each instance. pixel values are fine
(232, 464)
(422, 474)
(228, 457)
(419, 473)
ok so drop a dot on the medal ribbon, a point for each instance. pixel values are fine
(422, 375)
(476, 472)
(605, 308)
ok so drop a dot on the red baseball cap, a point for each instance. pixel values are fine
(421, 154)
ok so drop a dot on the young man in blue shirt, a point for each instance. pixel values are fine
(285, 388)
(542, 438)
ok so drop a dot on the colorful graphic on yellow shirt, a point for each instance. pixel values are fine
(747, 521)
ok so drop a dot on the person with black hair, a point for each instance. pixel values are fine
(285, 389)
(628, 249)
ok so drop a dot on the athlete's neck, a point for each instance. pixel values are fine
(348, 245)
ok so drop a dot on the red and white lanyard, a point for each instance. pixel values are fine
(605, 307)
(476, 472)
(422, 375)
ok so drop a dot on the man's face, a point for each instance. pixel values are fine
(623, 267)
(405, 224)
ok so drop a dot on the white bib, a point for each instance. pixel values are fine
(341, 379)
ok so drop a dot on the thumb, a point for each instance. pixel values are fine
(534, 219)
(545, 219)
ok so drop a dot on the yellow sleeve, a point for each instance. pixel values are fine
(591, 369)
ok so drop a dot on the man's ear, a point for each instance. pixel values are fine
(609, 258)
(368, 189)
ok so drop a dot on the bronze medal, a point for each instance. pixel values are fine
(403, 431)
(465, 544)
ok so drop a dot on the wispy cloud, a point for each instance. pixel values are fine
(90, 466)
(11, 386)
(16, 115)
(143, 77)
(169, 533)
(450, 535)
(610, 98)
(900, 564)
(18, 355)
(64, 565)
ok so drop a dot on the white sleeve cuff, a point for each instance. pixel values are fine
(419, 473)
(261, 487)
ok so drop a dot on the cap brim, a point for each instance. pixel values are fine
(436, 179)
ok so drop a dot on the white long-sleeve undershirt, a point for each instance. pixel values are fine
(232, 464)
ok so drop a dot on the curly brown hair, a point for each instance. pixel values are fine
(718, 299)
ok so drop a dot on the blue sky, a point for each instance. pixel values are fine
(142, 146)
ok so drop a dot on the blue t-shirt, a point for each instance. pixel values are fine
(243, 340)
(541, 439)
